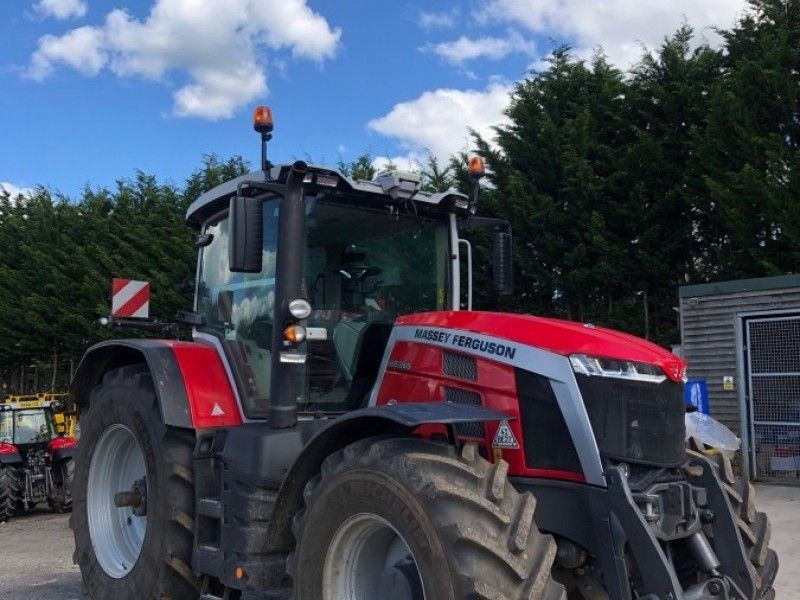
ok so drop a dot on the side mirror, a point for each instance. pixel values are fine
(501, 262)
(245, 233)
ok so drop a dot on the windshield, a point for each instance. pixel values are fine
(364, 266)
(25, 426)
(367, 261)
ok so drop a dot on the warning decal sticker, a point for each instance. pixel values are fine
(504, 438)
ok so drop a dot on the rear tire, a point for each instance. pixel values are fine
(9, 492)
(61, 501)
(125, 401)
(466, 530)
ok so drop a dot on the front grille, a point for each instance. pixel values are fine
(636, 421)
(459, 365)
(458, 396)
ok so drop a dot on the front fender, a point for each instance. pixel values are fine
(391, 419)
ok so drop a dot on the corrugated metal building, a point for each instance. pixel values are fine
(743, 339)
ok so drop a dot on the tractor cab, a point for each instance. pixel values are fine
(366, 259)
(29, 428)
(362, 253)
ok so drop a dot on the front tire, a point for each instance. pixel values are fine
(123, 556)
(410, 518)
(754, 527)
(9, 492)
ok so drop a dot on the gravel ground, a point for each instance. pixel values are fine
(36, 556)
(782, 504)
(36, 559)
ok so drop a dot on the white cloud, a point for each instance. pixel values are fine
(439, 121)
(61, 9)
(620, 27)
(15, 190)
(437, 20)
(219, 46)
(495, 48)
(81, 48)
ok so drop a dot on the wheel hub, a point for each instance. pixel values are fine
(401, 581)
(369, 558)
(136, 498)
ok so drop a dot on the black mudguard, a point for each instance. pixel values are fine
(62, 454)
(391, 419)
(12, 458)
(167, 378)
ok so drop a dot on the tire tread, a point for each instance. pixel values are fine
(486, 526)
(9, 492)
(754, 527)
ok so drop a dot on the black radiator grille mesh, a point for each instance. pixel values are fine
(459, 365)
(458, 396)
(636, 421)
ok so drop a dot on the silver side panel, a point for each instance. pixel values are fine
(555, 367)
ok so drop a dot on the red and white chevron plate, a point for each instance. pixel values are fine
(130, 299)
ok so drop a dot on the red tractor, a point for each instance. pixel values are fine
(339, 429)
(36, 462)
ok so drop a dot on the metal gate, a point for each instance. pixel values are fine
(773, 390)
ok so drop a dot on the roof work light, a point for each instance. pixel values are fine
(263, 124)
(262, 119)
(477, 167)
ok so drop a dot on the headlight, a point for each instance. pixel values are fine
(299, 308)
(617, 369)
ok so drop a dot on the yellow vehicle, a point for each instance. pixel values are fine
(64, 416)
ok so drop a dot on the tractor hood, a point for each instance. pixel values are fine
(555, 335)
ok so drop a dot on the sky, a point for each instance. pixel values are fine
(92, 90)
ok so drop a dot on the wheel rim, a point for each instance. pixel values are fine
(368, 558)
(117, 533)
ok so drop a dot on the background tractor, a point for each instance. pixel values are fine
(36, 460)
(338, 428)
